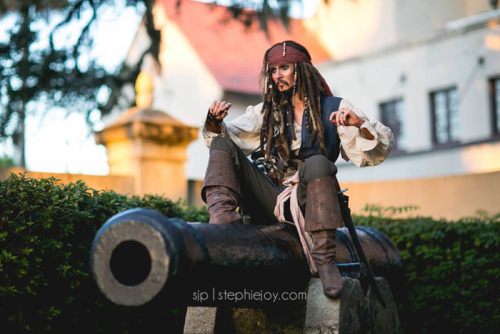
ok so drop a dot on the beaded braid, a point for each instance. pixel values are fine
(308, 84)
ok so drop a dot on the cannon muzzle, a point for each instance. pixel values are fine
(140, 254)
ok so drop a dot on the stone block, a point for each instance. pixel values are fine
(200, 320)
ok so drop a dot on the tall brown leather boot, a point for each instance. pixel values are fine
(322, 218)
(221, 189)
(323, 254)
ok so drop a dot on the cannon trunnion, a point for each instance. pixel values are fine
(140, 254)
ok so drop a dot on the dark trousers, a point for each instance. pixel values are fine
(259, 192)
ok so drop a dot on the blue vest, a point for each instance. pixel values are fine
(329, 104)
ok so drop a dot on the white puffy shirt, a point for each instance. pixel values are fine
(244, 131)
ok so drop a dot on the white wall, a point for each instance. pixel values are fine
(417, 19)
(474, 159)
(449, 58)
(350, 28)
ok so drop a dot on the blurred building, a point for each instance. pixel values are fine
(428, 69)
(206, 56)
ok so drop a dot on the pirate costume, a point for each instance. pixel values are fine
(298, 163)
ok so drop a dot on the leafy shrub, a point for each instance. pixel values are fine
(46, 231)
(451, 272)
(6, 161)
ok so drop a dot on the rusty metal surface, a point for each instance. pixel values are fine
(193, 260)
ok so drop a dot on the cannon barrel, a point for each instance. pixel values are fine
(140, 254)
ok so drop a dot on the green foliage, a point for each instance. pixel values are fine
(6, 161)
(451, 272)
(389, 211)
(46, 231)
(35, 67)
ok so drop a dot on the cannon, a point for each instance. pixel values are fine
(140, 255)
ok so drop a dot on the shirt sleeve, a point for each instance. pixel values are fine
(244, 131)
(361, 150)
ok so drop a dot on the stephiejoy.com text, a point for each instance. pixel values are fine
(247, 295)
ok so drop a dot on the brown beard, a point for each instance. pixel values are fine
(286, 94)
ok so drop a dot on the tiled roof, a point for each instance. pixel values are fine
(232, 52)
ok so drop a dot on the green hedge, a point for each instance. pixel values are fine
(46, 231)
(451, 270)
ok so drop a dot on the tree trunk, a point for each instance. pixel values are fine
(21, 136)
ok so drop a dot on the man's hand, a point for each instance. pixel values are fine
(218, 110)
(347, 117)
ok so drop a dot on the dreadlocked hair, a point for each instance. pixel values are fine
(309, 88)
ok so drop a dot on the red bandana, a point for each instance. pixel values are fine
(285, 54)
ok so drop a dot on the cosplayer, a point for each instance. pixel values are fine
(297, 133)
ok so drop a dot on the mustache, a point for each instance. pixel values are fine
(283, 82)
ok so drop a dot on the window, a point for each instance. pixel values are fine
(445, 118)
(494, 88)
(392, 115)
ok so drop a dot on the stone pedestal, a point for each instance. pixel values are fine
(200, 320)
(149, 145)
(322, 313)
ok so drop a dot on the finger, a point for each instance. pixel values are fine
(344, 119)
(225, 106)
(351, 117)
(212, 107)
(218, 107)
(223, 115)
(334, 117)
(216, 110)
(346, 114)
(222, 107)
